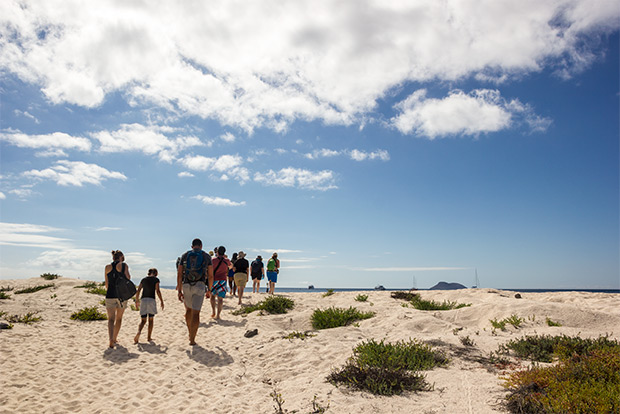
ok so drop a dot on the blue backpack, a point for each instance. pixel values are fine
(194, 267)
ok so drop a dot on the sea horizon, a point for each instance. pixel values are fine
(367, 289)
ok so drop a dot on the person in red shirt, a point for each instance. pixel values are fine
(220, 276)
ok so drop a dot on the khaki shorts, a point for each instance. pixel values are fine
(241, 279)
(194, 295)
(115, 303)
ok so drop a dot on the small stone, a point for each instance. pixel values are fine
(518, 296)
(249, 334)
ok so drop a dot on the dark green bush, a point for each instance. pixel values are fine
(88, 314)
(4, 295)
(34, 289)
(386, 369)
(50, 276)
(541, 348)
(272, 304)
(587, 383)
(361, 298)
(427, 305)
(26, 318)
(334, 317)
(328, 293)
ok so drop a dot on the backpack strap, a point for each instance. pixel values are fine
(218, 265)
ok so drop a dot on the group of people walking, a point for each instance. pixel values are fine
(200, 275)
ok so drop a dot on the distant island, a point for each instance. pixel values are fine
(448, 286)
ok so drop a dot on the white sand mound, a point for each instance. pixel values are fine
(59, 365)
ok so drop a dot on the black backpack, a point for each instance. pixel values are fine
(194, 267)
(256, 266)
(125, 288)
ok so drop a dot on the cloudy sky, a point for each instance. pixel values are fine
(368, 142)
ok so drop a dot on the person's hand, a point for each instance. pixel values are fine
(162, 305)
(181, 297)
(208, 294)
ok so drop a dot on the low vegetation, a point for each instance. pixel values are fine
(552, 323)
(89, 314)
(33, 289)
(543, 348)
(334, 317)
(271, 304)
(427, 305)
(513, 320)
(26, 318)
(50, 276)
(388, 368)
(4, 295)
(299, 335)
(585, 380)
(328, 293)
(361, 298)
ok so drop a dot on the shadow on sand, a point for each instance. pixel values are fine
(209, 358)
(119, 355)
(222, 322)
(152, 348)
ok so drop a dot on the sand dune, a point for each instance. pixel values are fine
(58, 365)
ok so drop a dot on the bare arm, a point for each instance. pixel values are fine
(180, 271)
(127, 275)
(209, 280)
(159, 294)
(138, 292)
(106, 271)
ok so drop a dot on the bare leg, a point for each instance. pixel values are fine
(188, 322)
(150, 338)
(272, 287)
(117, 322)
(212, 306)
(241, 293)
(194, 323)
(220, 305)
(111, 319)
(142, 323)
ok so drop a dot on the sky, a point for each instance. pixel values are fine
(399, 143)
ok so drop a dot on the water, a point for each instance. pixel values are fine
(318, 289)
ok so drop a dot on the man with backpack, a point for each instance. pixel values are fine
(257, 273)
(194, 282)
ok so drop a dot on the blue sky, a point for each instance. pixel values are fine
(366, 143)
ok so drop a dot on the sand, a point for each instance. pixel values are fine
(59, 365)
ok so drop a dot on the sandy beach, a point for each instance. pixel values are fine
(59, 365)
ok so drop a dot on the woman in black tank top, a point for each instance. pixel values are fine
(113, 305)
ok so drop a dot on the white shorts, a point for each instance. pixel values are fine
(194, 295)
(148, 306)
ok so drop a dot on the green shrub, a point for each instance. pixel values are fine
(542, 348)
(408, 296)
(431, 305)
(498, 324)
(299, 335)
(412, 355)
(88, 314)
(5, 289)
(34, 289)
(386, 369)
(552, 323)
(361, 298)
(4, 295)
(26, 318)
(272, 304)
(514, 320)
(328, 293)
(585, 384)
(50, 276)
(467, 341)
(88, 285)
(334, 317)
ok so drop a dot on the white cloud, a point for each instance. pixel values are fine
(266, 64)
(22, 193)
(30, 235)
(56, 141)
(185, 174)
(228, 137)
(322, 153)
(27, 115)
(457, 114)
(358, 155)
(108, 228)
(2, 196)
(229, 166)
(218, 201)
(75, 173)
(150, 140)
(299, 178)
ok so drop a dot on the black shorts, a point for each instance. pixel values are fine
(150, 315)
(259, 277)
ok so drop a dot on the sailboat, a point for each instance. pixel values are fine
(477, 281)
